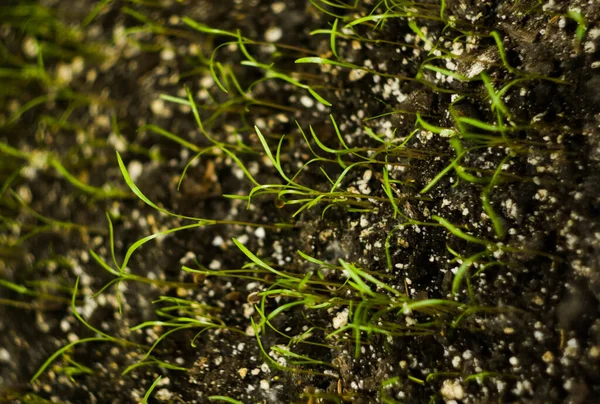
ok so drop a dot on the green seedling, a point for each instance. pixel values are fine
(46, 160)
(576, 16)
(102, 337)
(151, 361)
(150, 390)
(368, 306)
(309, 287)
(224, 399)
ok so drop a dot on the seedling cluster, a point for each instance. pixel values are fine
(316, 164)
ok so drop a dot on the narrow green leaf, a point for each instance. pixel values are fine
(462, 271)
(143, 197)
(206, 29)
(226, 399)
(332, 38)
(457, 232)
(149, 392)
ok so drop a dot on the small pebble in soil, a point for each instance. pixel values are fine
(273, 34)
(341, 319)
(452, 390)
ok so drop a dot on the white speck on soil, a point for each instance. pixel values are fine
(4, 355)
(273, 34)
(163, 395)
(188, 257)
(78, 64)
(260, 233)
(118, 142)
(159, 108)
(307, 101)
(167, 54)
(30, 47)
(248, 310)
(452, 390)
(278, 7)
(64, 325)
(64, 73)
(356, 74)
(456, 361)
(135, 169)
(341, 319)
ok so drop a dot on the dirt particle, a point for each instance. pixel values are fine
(306, 101)
(30, 47)
(159, 108)
(4, 355)
(452, 390)
(356, 74)
(135, 169)
(167, 54)
(548, 357)
(273, 34)
(456, 361)
(163, 395)
(341, 319)
(278, 7)
(64, 73)
(260, 233)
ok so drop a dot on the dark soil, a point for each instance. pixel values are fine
(538, 343)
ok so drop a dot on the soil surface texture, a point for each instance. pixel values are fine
(304, 201)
